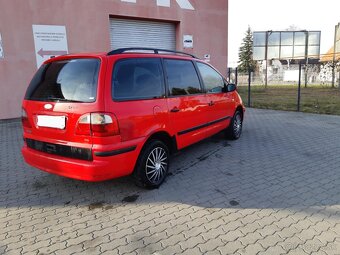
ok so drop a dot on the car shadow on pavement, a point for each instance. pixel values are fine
(268, 167)
(275, 190)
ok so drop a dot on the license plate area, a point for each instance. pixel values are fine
(58, 122)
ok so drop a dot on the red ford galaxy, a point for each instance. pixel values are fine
(95, 117)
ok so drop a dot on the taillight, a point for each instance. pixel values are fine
(97, 124)
(84, 125)
(24, 119)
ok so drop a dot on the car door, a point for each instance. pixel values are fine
(221, 103)
(137, 96)
(187, 102)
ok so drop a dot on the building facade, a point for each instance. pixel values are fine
(32, 31)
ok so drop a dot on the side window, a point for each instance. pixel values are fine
(137, 78)
(182, 77)
(212, 80)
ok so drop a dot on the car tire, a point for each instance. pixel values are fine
(152, 165)
(234, 130)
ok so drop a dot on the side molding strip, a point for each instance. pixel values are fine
(203, 125)
(115, 152)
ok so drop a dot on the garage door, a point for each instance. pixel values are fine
(137, 33)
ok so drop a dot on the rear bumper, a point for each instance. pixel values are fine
(101, 168)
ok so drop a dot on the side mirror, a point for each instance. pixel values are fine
(229, 87)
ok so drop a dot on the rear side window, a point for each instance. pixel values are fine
(212, 80)
(72, 80)
(182, 77)
(137, 78)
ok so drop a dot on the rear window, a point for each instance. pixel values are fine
(72, 80)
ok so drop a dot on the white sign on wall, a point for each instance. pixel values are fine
(188, 41)
(1, 48)
(49, 41)
(207, 58)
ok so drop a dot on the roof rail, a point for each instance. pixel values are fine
(155, 51)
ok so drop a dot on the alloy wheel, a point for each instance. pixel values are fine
(156, 165)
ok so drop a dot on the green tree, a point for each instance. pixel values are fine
(245, 54)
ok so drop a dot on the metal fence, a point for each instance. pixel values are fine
(291, 85)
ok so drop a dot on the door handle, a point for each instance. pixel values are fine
(175, 109)
(211, 103)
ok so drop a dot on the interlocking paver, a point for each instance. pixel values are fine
(277, 250)
(210, 245)
(270, 241)
(89, 251)
(191, 242)
(114, 252)
(131, 247)
(274, 191)
(231, 235)
(113, 244)
(3, 249)
(53, 247)
(69, 250)
(288, 232)
(154, 248)
(250, 238)
(212, 233)
(179, 229)
(172, 249)
(36, 246)
(215, 252)
(250, 228)
(231, 247)
(121, 233)
(327, 237)
(96, 242)
(252, 249)
(268, 230)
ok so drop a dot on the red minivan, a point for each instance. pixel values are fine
(95, 117)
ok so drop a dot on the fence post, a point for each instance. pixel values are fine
(334, 52)
(249, 82)
(266, 57)
(299, 87)
(306, 57)
(236, 76)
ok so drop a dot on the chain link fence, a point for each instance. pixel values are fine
(275, 85)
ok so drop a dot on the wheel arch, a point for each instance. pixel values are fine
(139, 172)
(241, 110)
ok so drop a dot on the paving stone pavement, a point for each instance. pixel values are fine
(274, 191)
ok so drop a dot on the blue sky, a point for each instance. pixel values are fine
(263, 15)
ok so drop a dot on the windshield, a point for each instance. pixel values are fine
(72, 80)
